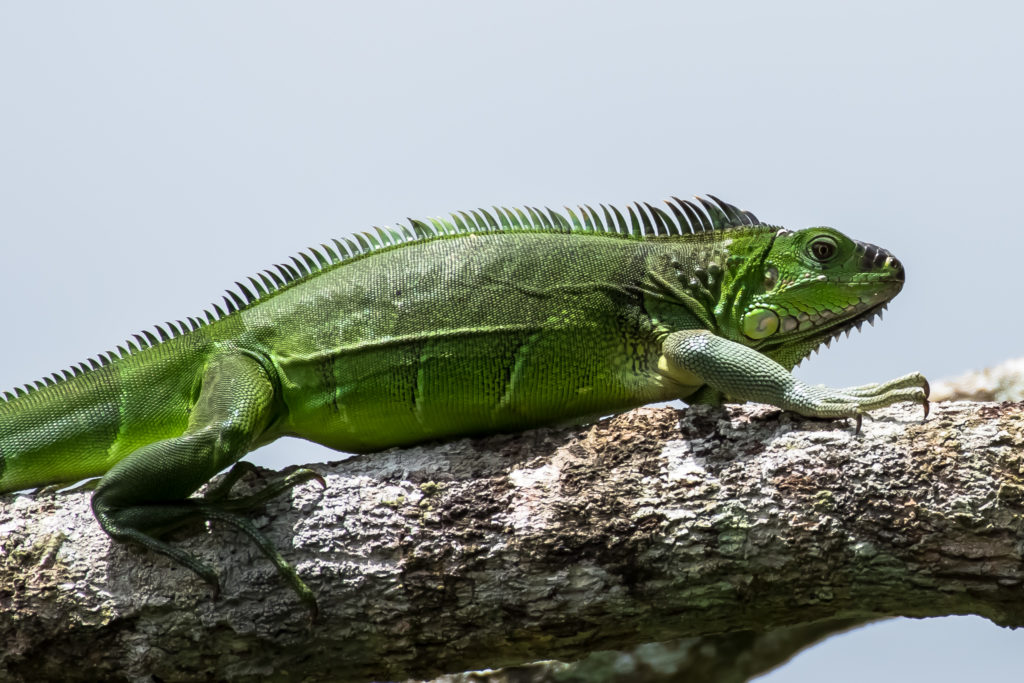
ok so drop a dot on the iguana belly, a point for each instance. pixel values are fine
(467, 383)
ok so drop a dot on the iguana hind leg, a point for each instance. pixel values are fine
(740, 373)
(147, 493)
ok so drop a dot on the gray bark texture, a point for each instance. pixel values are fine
(734, 528)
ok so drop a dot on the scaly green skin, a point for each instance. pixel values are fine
(491, 322)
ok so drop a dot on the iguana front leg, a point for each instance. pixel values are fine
(147, 493)
(739, 373)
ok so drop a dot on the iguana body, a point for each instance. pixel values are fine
(489, 322)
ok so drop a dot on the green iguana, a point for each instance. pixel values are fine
(490, 321)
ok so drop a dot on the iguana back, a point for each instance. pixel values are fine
(472, 334)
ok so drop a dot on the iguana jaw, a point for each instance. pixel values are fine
(769, 324)
(792, 351)
(867, 316)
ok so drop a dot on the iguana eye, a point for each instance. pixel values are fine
(823, 249)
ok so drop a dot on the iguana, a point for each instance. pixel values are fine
(484, 322)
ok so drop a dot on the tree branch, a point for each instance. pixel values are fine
(653, 525)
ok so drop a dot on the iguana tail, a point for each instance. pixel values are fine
(81, 425)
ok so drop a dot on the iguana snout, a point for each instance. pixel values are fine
(875, 258)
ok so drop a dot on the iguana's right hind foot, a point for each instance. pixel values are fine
(219, 494)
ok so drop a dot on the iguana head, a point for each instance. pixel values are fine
(810, 286)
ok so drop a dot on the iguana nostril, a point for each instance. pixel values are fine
(895, 264)
(876, 258)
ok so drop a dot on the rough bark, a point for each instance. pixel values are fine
(650, 526)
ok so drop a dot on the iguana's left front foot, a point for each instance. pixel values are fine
(912, 388)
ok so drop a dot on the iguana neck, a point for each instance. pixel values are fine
(711, 278)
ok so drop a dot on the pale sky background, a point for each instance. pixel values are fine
(153, 153)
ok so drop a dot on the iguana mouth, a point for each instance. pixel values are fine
(869, 316)
(805, 324)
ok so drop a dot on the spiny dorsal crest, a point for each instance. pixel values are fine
(640, 221)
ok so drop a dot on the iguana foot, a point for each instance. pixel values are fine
(142, 524)
(215, 505)
(911, 388)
